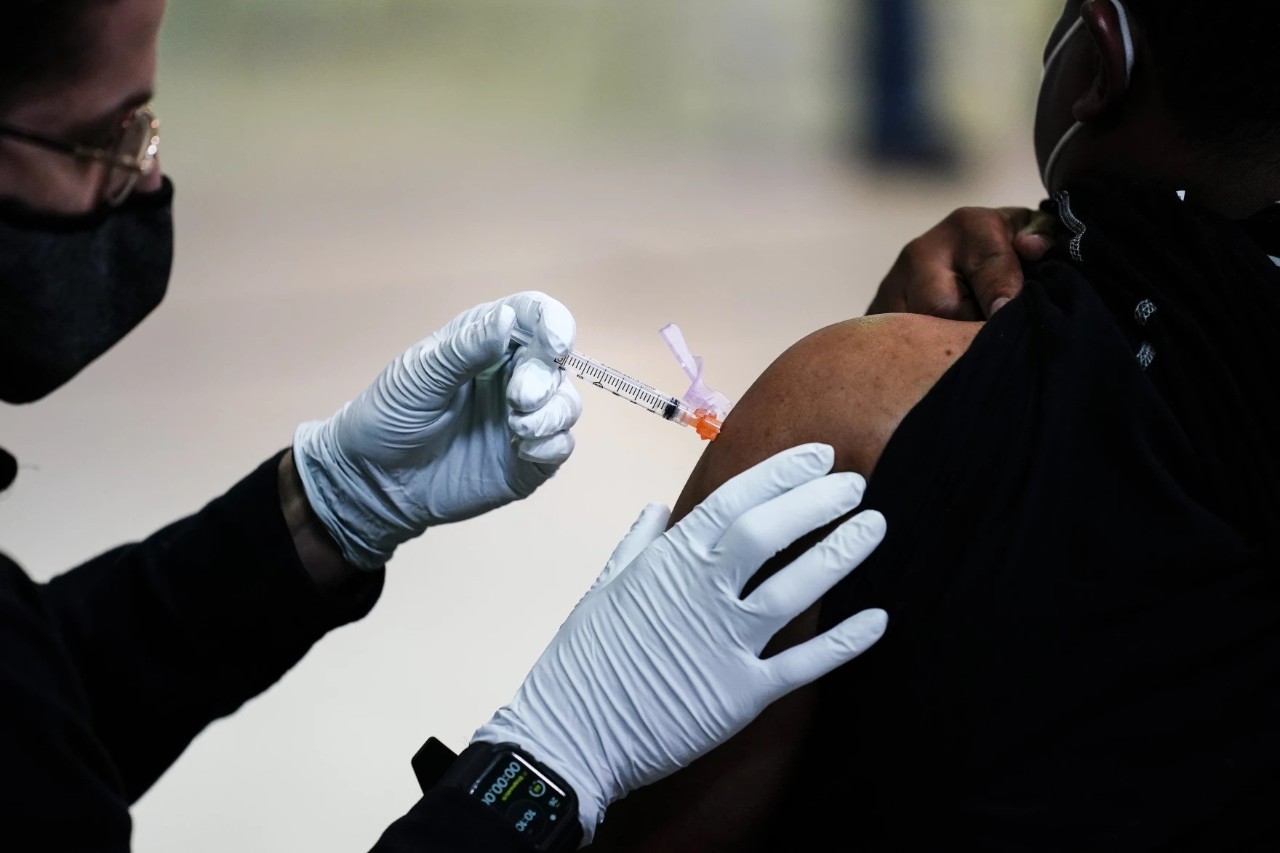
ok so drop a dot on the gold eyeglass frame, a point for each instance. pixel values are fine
(136, 164)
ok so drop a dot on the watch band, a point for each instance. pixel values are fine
(431, 762)
(515, 788)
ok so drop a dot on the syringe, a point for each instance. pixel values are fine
(705, 421)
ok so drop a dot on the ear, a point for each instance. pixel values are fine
(1108, 27)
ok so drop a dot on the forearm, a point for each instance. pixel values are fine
(448, 821)
(175, 631)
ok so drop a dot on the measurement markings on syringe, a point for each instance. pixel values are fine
(619, 384)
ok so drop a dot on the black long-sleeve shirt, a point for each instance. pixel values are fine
(107, 672)
(1082, 564)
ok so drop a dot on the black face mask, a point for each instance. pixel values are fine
(72, 286)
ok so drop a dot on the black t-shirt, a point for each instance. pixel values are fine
(1080, 568)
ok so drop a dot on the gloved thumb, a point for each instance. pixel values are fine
(465, 353)
(648, 527)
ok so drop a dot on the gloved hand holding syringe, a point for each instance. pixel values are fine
(701, 407)
(458, 425)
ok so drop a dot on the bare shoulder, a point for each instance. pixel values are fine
(849, 385)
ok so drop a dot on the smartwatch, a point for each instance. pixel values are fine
(512, 787)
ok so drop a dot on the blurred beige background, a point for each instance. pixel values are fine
(350, 176)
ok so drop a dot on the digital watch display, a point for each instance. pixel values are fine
(521, 793)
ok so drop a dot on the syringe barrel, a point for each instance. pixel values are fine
(706, 422)
(620, 384)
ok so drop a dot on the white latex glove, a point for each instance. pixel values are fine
(455, 427)
(660, 660)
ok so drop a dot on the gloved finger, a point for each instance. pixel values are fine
(455, 359)
(551, 327)
(645, 530)
(533, 381)
(791, 591)
(809, 661)
(765, 530)
(776, 475)
(548, 453)
(558, 414)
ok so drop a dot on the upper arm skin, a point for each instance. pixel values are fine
(848, 385)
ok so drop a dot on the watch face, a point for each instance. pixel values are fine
(525, 798)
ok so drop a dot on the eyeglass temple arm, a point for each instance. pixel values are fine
(64, 147)
(37, 139)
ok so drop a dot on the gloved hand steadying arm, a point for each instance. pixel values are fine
(455, 427)
(660, 660)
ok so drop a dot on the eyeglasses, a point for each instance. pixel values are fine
(130, 155)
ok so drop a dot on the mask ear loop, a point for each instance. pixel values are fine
(1057, 49)
(1127, 34)
(699, 395)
